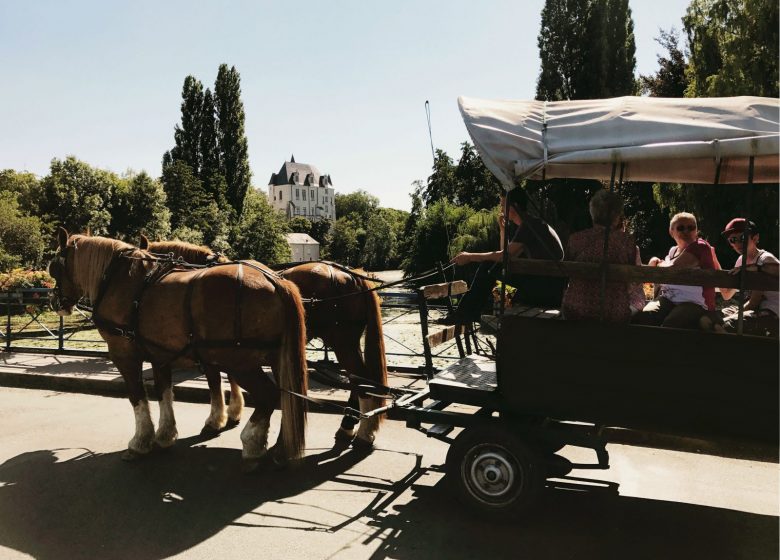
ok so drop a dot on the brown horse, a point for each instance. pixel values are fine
(220, 416)
(339, 322)
(343, 308)
(235, 317)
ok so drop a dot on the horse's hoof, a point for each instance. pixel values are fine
(209, 431)
(165, 441)
(232, 423)
(362, 445)
(344, 436)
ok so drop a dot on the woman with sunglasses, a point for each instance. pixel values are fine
(761, 308)
(683, 307)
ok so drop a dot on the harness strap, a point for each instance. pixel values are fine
(346, 410)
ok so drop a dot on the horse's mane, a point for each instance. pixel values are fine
(92, 256)
(195, 254)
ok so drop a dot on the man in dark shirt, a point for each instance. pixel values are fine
(531, 237)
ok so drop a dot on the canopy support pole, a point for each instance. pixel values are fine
(603, 290)
(745, 249)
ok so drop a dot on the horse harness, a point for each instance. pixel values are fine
(162, 268)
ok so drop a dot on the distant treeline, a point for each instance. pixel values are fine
(587, 51)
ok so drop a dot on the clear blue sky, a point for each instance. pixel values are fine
(342, 85)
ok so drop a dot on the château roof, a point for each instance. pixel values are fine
(300, 238)
(293, 173)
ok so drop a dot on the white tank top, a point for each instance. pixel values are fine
(771, 300)
(681, 294)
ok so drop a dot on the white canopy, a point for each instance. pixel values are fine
(702, 140)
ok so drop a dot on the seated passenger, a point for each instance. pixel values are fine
(761, 308)
(582, 299)
(531, 237)
(682, 306)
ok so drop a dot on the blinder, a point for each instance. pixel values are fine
(56, 270)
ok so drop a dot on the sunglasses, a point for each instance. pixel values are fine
(734, 239)
(686, 228)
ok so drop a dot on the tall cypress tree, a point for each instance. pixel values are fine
(187, 136)
(621, 49)
(209, 151)
(232, 142)
(587, 50)
(561, 45)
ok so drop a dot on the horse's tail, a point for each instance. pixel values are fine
(293, 371)
(374, 349)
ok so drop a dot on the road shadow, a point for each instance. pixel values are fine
(97, 506)
(573, 520)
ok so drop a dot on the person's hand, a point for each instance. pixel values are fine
(501, 221)
(654, 261)
(461, 258)
(750, 268)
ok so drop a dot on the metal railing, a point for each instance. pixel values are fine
(31, 326)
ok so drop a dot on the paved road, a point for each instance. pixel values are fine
(64, 493)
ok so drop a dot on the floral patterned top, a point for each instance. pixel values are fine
(582, 299)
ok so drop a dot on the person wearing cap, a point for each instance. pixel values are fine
(683, 307)
(761, 308)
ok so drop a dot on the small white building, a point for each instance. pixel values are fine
(300, 190)
(303, 247)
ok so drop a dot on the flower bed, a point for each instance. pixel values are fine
(24, 290)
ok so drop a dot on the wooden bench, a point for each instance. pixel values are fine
(459, 333)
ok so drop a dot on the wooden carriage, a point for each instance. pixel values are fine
(557, 382)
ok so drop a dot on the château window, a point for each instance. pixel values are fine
(297, 194)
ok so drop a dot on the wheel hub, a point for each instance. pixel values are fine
(492, 474)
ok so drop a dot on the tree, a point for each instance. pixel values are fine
(192, 208)
(409, 232)
(21, 237)
(587, 50)
(25, 187)
(299, 224)
(670, 80)
(620, 50)
(319, 231)
(433, 235)
(139, 207)
(358, 206)
(209, 132)
(231, 139)
(77, 196)
(261, 232)
(733, 47)
(561, 38)
(188, 136)
(380, 245)
(344, 243)
(475, 185)
(441, 183)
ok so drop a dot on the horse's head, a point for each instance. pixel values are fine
(66, 291)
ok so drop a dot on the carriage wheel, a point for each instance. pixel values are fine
(493, 471)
